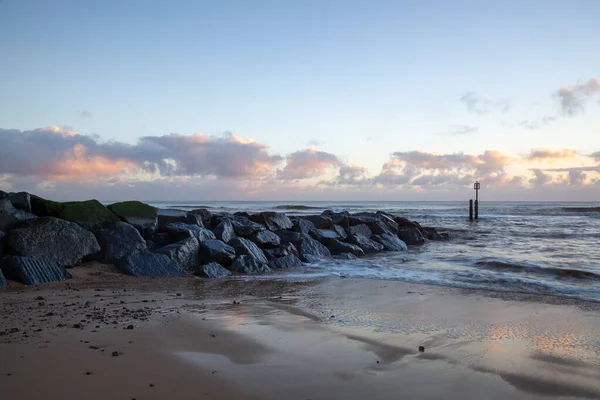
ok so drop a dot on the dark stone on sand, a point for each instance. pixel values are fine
(140, 215)
(90, 214)
(390, 242)
(319, 221)
(421, 349)
(311, 250)
(289, 261)
(21, 200)
(52, 239)
(204, 214)
(2, 279)
(32, 271)
(212, 270)
(273, 220)
(117, 240)
(2, 236)
(366, 244)
(224, 231)
(11, 216)
(217, 251)
(411, 235)
(345, 256)
(244, 246)
(184, 253)
(338, 247)
(149, 264)
(360, 229)
(168, 216)
(179, 231)
(246, 264)
(266, 239)
(281, 251)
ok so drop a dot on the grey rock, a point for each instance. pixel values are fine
(379, 227)
(21, 200)
(52, 239)
(212, 270)
(345, 256)
(390, 242)
(205, 216)
(273, 220)
(117, 240)
(2, 236)
(246, 264)
(11, 216)
(360, 229)
(281, 251)
(310, 249)
(328, 234)
(244, 246)
(8, 222)
(3, 195)
(149, 264)
(340, 231)
(366, 244)
(361, 218)
(32, 271)
(291, 237)
(319, 221)
(245, 227)
(2, 279)
(401, 221)
(266, 239)
(142, 216)
(289, 261)
(215, 251)
(411, 235)
(224, 231)
(432, 234)
(338, 247)
(184, 253)
(303, 225)
(168, 216)
(179, 231)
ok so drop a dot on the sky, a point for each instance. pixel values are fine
(300, 100)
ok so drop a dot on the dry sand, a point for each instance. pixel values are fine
(322, 339)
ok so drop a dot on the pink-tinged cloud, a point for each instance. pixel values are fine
(308, 163)
(550, 156)
(573, 98)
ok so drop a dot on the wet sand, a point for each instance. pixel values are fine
(278, 339)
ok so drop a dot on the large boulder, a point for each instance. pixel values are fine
(281, 251)
(366, 244)
(184, 253)
(90, 214)
(224, 231)
(390, 242)
(3, 194)
(136, 213)
(289, 261)
(212, 270)
(52, 239)
(205, 216)
(21, 200)
(168, 216)
(302, 225)
(118, 240)
(379, 227)
(338, 247)
(319, 221)
(246, 264)
(215, 251)
(359, 229)
(266, 239)
(33, 271)
(245, 227)
(2, 235)
(149, 264)
(45, 208)
(432, 234)
(340, 231)
(361, 218)
(246, 247)
(2, 279)
(410, 234)
(11, 216)
(179, 231)
(324, 234)
(310, 250)
(273, 220)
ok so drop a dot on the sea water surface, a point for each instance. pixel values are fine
(530, 247)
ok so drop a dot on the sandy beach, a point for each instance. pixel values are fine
(185, 338)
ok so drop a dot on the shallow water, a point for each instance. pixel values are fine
(532, 247)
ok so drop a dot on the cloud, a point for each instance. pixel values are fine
(540, 178)
(576, 178)
(85, 114)
(458, 130)
(59, 154)
(534, 125)
(596, 156)
(481, 105)
(308, 163)
(547, 155)
(352, 175)
(574, 98)
(314, 143)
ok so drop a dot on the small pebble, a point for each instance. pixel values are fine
(130, 327)
(151, 385)
(116, 354)
(421, 349)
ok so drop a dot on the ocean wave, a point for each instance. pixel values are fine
(297, 207)
(534, 269)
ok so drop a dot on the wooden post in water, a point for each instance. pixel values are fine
(471, 210)
(476, 186)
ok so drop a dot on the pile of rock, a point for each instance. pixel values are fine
(40, 239)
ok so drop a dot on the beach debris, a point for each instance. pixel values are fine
(151, 385)
(94, 347)
(213, 335)
(116, 354)
(40, 298)
(88, 373)
(129, 327)
(421, 349)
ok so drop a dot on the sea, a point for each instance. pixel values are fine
(547, 248)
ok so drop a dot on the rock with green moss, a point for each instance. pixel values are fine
(45, 208)
(90, 214)
(136, 213)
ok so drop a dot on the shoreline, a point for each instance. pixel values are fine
(320, 339)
